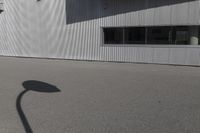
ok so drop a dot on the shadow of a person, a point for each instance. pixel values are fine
(32, 85)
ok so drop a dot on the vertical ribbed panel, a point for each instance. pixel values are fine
(71, 29)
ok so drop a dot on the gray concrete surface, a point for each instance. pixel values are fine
(99, 97)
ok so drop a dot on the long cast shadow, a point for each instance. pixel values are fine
(32, 85)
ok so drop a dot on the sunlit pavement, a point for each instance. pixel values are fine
(99, 97)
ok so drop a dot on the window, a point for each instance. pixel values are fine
(135, 35)
(199, 34)
(157, 35)
(181, 35)
(1, 6)
(113, 35)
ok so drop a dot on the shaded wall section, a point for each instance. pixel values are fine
(83, 10)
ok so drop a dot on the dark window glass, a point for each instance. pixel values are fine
(199, 35)
(135, 35)
(113, 35)
(181, 35)
(159, 35)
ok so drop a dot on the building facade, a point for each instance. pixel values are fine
(144, 31)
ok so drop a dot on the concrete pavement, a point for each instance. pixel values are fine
(99, 97)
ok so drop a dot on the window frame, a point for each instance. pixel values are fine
(169, 45)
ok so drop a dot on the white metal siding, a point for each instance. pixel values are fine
(71, 29)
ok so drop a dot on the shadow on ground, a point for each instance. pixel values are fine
(32, 85)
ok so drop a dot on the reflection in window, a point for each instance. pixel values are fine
(159, 35)
(135, 35)
(113, 35)
(181, 35)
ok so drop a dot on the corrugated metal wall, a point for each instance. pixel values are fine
(71, 29)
